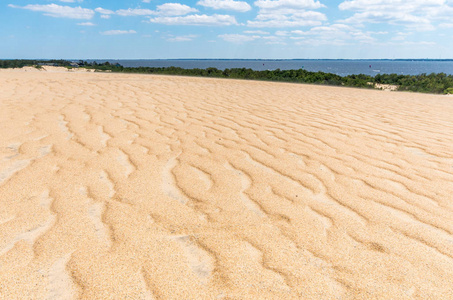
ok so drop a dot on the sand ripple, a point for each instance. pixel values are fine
(154, 187)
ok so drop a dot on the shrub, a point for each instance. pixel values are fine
(448, 91)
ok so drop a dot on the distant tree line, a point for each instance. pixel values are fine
(19, 63)
(426, 83)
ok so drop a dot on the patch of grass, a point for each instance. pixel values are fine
(449, 91)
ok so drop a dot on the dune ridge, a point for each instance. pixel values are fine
(157, 187)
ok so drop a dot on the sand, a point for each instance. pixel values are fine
(117, 186)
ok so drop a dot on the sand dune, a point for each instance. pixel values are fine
(118, 186)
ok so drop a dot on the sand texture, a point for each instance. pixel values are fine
(118, 186)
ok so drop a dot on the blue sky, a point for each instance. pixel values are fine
(265, 29)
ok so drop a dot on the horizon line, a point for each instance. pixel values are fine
(261, 59)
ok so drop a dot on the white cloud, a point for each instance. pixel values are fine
(135, 12)
(273, 40)
(86, 24)
(105, 16)
(214, 20)
(167, 9)
(71, 1)
(118, 32)
(242, 38)
(146, 1)
(287, 13)
(391, 17)
(256, 32)
(58, 11)
(238, 38)
(400, 36)
(174, 9)
(267, 5)
(282, 23)
(104, 11)
(183, 38)
(304, 18)
(446, 25)
(420, 43)
(400, 5)
(336, 34)
(281, 33)
(316, 42)
(417, 14)
(399, 43)
(239, 6)
(331, 30)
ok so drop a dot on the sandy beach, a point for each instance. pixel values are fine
(116, 186)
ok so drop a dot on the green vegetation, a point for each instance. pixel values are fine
(432, 83)
(423, 83)
(19, 63)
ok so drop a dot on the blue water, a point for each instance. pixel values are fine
(340, 67)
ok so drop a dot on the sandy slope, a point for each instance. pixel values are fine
(151, 187)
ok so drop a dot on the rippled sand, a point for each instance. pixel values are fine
(150, 187)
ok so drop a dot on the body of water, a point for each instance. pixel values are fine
(340, 67)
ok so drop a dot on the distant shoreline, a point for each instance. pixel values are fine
(436, 83)
(240, 59)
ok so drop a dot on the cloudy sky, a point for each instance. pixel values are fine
(226, 29)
